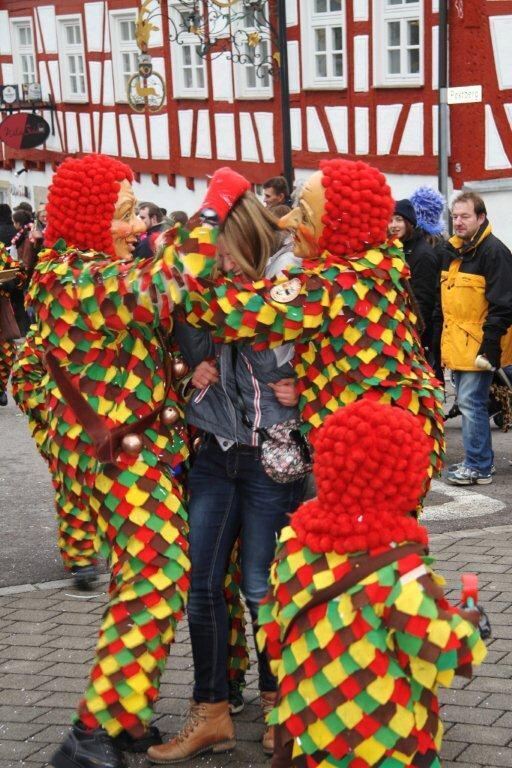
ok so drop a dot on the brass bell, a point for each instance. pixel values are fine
(132, 444)
(196, 443)
(170, 416)
(179, 367)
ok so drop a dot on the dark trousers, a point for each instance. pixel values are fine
(230, 495)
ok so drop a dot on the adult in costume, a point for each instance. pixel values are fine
(36, 394)
(346, 307)
(98, 318)
(360, 633)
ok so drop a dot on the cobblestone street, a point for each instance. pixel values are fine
(47, 636)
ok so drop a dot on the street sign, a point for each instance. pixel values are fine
(464, 94)
(24, 130)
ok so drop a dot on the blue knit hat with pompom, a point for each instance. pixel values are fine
(429, 205)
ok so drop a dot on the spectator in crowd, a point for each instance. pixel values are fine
(178, 217)
(22, 221)
(275, 191)
(152, 217)
(41, 217)
(429, 206)
(239, 393)
(25, 206)
(476, 306)
(7, 230)
(279, 210)
(422, 262)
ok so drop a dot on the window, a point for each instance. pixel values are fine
(398, 39)
(323, 41)
(125, 54)
(23, 52)
(188, 66)
(72, 59)
(253, 76)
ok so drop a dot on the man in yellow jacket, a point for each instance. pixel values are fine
(476, 302)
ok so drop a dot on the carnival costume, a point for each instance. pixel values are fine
(346, 308)
(9, 328)
(36, 395)
(355, 621)
(98, 319)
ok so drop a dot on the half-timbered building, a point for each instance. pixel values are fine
(363, 82)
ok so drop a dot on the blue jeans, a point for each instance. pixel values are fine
(472, 389)
(230, 495)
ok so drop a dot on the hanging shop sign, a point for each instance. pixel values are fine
(24, 130)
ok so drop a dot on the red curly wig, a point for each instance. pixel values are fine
(81, 202)
(358, 206)
(371, 467)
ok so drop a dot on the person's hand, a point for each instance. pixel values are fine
(35, 236)
(226, 187)
(491, 349)
(285, 392)
(205, 374)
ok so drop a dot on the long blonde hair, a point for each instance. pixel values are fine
(252, 235)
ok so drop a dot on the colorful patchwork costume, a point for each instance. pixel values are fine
(115, 439)
(346, 309)
(355, 621)
(7, 318)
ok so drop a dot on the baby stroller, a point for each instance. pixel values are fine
(500, 400)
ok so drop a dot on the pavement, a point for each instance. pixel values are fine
(47, 638)
(48, 629)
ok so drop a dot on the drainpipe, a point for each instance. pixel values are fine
(285, 94)
(442, 125)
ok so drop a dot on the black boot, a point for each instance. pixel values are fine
(85, 576)
(127, 743)
(88, 749)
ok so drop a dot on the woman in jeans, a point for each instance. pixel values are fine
(238, 391)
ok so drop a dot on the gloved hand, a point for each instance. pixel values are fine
(225, 189)
(491, 349)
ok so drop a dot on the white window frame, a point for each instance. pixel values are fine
(65, 51)
(180, 89)
(27, 50)
(403, 13)
(309, 22)
(120, 47)
(240, 70)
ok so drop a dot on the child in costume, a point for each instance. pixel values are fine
(355, 621)
(346, 307)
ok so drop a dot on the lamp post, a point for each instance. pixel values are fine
(244, 31)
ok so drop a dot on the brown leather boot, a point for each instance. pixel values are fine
(267, 701)
(208, 728)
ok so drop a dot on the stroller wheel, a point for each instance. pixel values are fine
(498, 420)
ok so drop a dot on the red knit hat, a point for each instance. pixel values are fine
(371, 468)
(81, 202)
(358, 206)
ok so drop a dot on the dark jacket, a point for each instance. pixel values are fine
(145, 248)
(476, 298)
(424, 265)
(7, 233)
